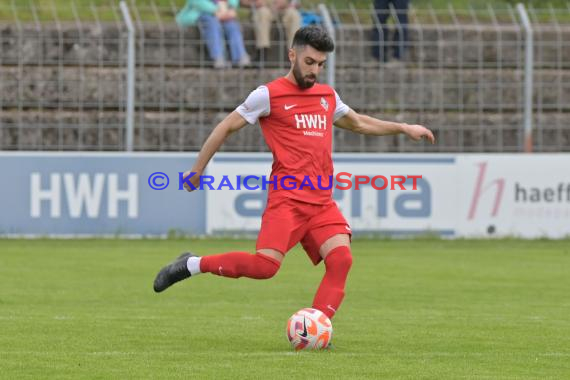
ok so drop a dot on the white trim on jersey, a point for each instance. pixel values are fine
(257, 105)
(341, 108)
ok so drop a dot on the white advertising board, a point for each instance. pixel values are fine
(457, 195)
(514, 195)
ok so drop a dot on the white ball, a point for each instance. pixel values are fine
(309, 329)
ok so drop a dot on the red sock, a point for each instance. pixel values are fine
(331, 291)
(238, 264)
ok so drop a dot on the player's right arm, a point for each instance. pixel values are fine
(232, 123)
(255, 106)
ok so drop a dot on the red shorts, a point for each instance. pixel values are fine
(287, 222)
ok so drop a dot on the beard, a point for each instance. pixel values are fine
(303, 81)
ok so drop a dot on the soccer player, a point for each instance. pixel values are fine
(296, 115)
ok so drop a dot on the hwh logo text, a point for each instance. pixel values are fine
(83, 194)
(311, 121)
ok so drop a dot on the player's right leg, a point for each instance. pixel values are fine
(262, 265)
(282, 226)
(173, 272)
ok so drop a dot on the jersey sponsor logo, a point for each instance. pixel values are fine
(287, 107)
(311, 121)
(314, 133)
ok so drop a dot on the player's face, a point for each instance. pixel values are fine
(307, 63)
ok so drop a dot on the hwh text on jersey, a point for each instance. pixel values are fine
(311, 121)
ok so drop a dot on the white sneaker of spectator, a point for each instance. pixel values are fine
(220, 63)
(394, 63)
(245, 61)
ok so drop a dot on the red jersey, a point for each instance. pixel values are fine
(298, 129)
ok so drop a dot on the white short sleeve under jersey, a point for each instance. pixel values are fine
(341, 108)
(256, 105)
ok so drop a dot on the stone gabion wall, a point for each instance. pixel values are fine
(65, 89)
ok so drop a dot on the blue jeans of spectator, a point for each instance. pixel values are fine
(213, 32)
(380, 45)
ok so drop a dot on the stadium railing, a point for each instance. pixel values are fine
(63, 79)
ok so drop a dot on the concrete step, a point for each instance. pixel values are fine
(385, 88)
(181, 131)
(430, 46)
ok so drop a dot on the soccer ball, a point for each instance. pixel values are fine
(309, 329)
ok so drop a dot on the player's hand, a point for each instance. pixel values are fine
(418, 132)
(194, 180)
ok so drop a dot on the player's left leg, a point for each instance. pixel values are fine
(328, 239)
(336, 254)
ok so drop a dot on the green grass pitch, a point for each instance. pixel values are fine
(415, 309)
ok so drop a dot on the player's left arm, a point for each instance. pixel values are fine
(368, 125)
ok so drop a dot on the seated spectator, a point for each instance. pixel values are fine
(380, 45)
(216, 19)
(267, 11)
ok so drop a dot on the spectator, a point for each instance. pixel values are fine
(265, 12)
(380, 46)
(217, 18)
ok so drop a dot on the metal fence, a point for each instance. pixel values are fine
(63, 84)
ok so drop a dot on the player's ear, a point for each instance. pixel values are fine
(292, 55)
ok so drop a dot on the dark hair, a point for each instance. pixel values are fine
(314, 36)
